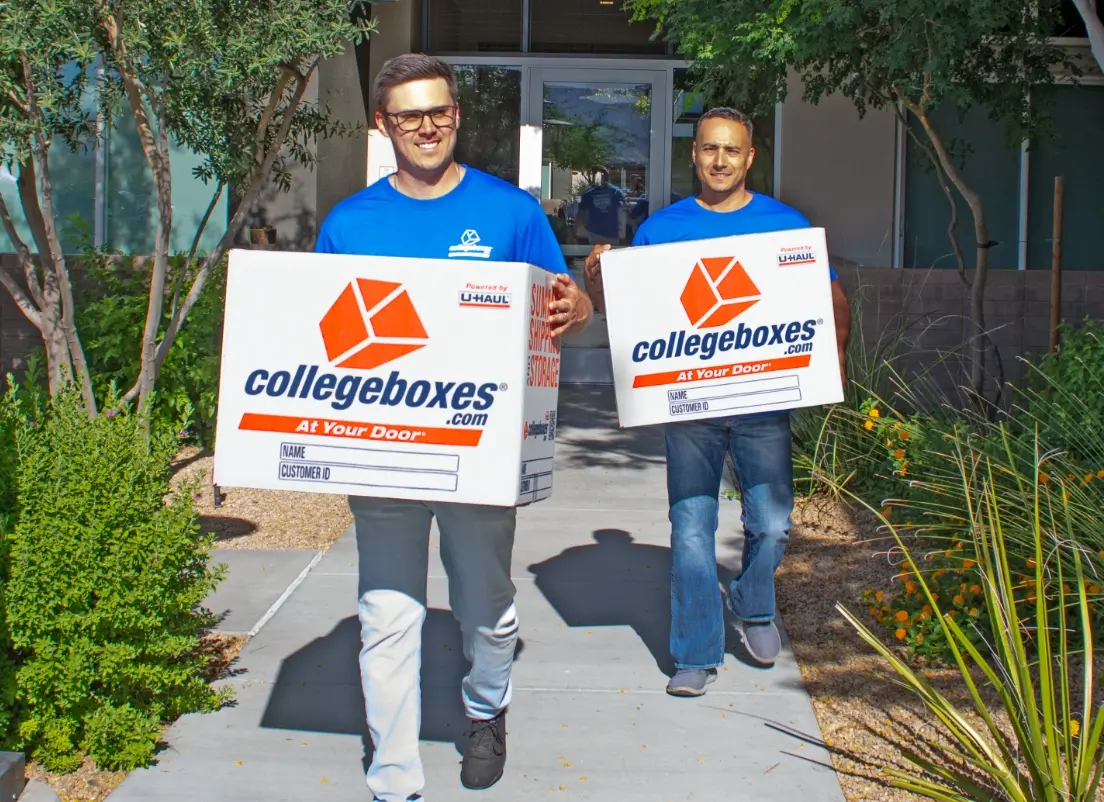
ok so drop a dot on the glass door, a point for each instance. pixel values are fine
(598, 164)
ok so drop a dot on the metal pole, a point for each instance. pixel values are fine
(1056, 266)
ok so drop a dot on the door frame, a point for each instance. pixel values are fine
(532, 118)
(581, 364)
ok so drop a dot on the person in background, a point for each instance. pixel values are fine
(759, 443)
(601, 211)
(433, 207)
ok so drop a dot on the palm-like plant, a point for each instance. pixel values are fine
(1054, 752)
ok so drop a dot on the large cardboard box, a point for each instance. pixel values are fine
(419, 379)
(726, 326)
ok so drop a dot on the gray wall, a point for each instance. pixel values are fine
(838, 171)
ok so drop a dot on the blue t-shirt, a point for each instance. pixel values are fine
(689, 220)
(482, 218)
(602, 203)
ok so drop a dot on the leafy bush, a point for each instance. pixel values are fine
(1028, 659)
(110, 315)
(107, 575)
(7, 521)
(1064, 396)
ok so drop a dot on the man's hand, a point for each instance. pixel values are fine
(592, 274)
(570, 306)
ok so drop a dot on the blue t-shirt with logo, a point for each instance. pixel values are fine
(689, 220)
(483, 219)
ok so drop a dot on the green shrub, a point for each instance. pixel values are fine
(1029, 660)
(107, 575)
(111, 315)
(7, 522)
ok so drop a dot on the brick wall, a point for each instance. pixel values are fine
(933, 305)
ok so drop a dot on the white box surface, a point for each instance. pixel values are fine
(421, 379)
(718, 327)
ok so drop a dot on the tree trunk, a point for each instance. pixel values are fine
(1095, 28)
(981, 273)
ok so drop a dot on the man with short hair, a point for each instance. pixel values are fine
(759, 443)
(434, 208)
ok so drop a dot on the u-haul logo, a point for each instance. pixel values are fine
(370, 324)
(800, 255)
(484, 300)
(718, 290)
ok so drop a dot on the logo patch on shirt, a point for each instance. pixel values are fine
(469, 247)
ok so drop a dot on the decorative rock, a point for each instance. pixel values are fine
(12, 768)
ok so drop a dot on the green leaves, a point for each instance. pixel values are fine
(1055, 752)
(989, 52)
(107, 579)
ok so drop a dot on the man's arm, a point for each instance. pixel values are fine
(570, 308)
(841, 311)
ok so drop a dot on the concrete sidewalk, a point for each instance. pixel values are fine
(589, 719)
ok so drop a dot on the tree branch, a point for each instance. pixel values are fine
(25, 261)
(286, 76)
(29, 309)
(256, 184)
(1087, 10)
(179, 284)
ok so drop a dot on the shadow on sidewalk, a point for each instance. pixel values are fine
(614, 582)
(619, 582)
(318, 687)
(588, 423)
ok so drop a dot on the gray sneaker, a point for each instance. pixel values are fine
(761, 639)
(691, 681)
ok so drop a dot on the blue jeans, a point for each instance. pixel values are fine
(760, 449)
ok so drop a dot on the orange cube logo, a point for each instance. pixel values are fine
(718, 290)
(371, 323)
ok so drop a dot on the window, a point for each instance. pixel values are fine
(1076, 155)
(490, 124)
(474, 26)
(589, 26)
(73, 175)
(990, 166)
(132, 203)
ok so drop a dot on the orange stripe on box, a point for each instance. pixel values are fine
(488, 306)
(356, 430)
(722, 371)
(804, 262)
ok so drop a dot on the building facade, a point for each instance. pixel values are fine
(594, 116)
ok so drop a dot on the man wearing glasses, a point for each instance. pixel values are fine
(433, 207)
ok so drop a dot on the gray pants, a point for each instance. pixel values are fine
(393, 548)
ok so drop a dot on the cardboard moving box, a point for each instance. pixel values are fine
(718, 327)
(433, 380)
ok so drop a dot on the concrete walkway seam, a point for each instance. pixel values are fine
(276, 605)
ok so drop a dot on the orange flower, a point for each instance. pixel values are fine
(968, 564)
(1100, 474)
(905, 435)
(975, 589)
(902, 616)
(1044, 479)
(904, 468)
(899, 453)
(1075, 727)
(911, 587)
(900, 633)
(874, 413)
(879, 596)
(926, 610)
(974, 612)
(958, 599)
(868, 425)
(938, 574)
(1031, 562)
(1088, 477)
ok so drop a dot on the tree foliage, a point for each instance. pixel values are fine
(225, 78)
(910, 56)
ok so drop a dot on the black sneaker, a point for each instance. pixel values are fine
(484, 753)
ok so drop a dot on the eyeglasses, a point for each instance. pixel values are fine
(441, 117)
